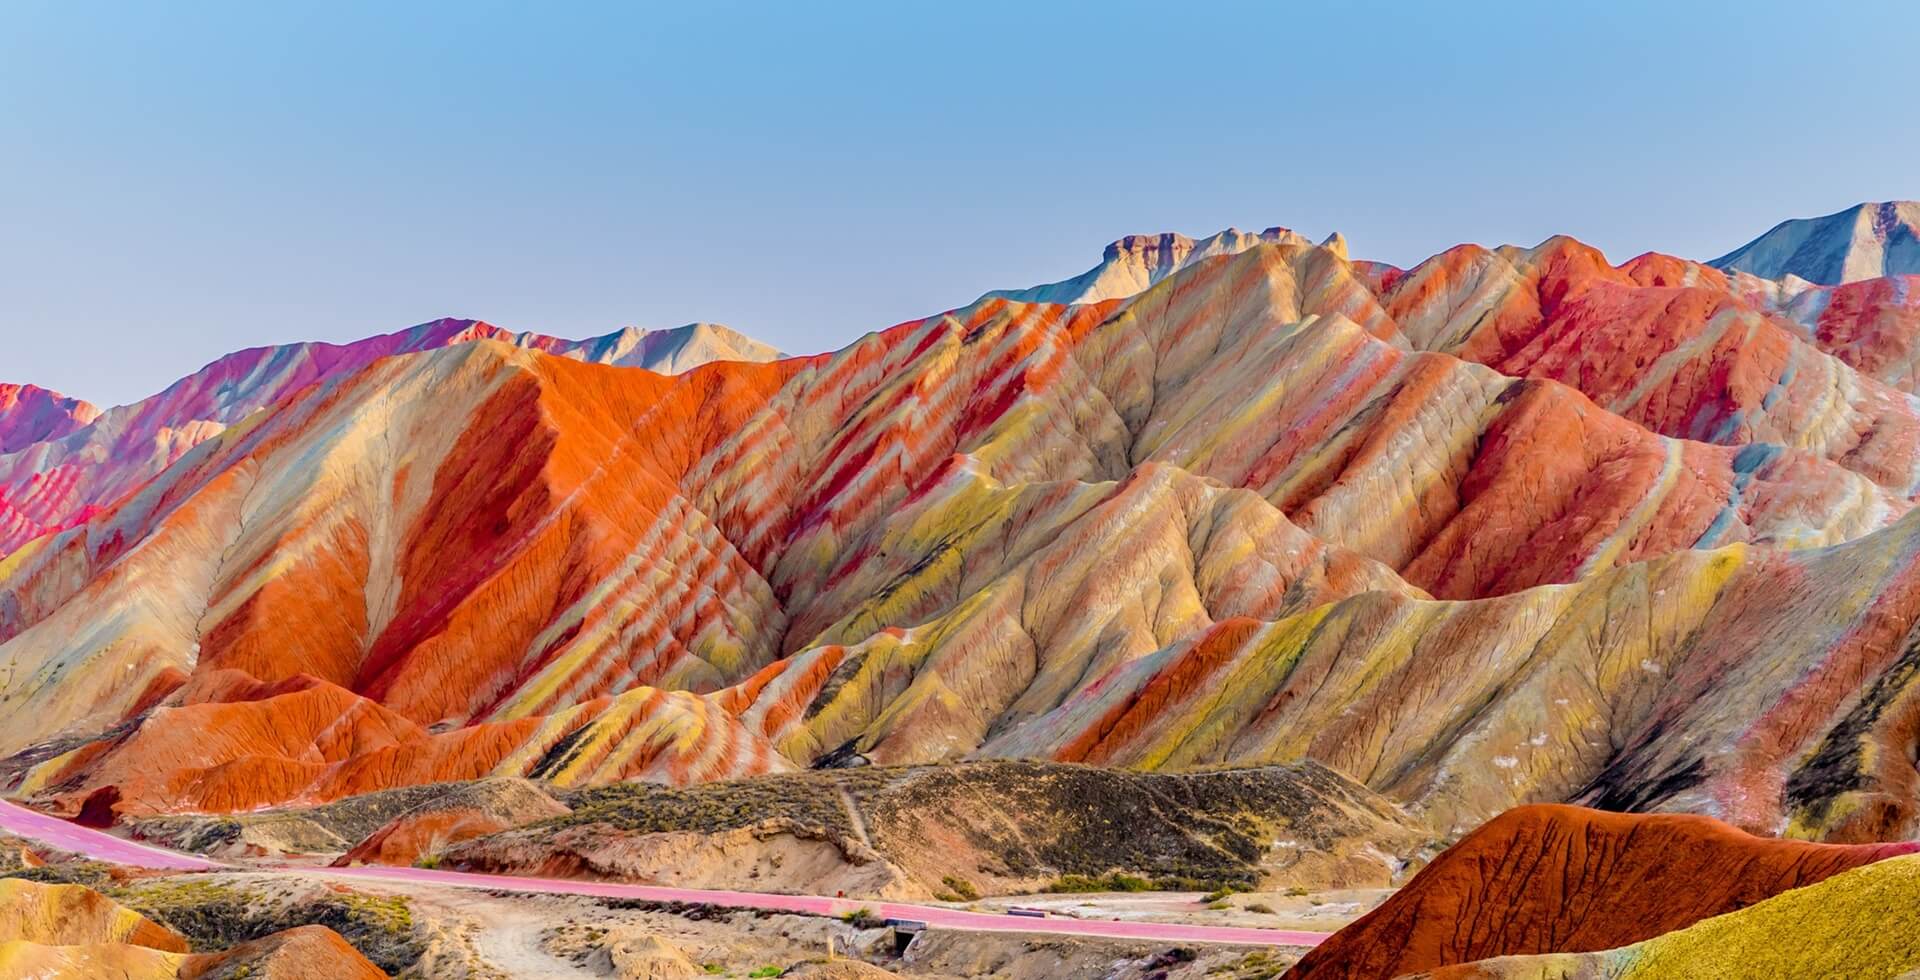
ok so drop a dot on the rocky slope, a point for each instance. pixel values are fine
(1135, 262)
(1561, 879)
(29, 414)
(1857, 924)
(971, 829)
(1865, 241)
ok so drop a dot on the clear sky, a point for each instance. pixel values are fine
(180, 180)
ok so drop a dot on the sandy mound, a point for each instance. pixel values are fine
(839, 970)
(639, 956)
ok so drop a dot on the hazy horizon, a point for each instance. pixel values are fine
(192, 181)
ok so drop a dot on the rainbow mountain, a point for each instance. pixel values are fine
(1513, 525)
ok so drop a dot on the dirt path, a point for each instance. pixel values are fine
(853, 816)
(510, 943)
(502, 934)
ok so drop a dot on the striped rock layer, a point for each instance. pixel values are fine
(75, 915)
(1857, 924)
(1562, 879)
(29, 414)
(56, 930)
(1513, 525)
(62, 460)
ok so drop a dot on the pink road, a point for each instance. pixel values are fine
(103, 846)
(75, 839)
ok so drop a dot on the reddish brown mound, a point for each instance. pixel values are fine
(1551, 879)
(474, 810)
(305, 953)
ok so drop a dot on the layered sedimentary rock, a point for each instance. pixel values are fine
(1865, 241)
(51, 930)
(1773, 689)
(305, 953)
(1562, 879)
(29, 414)
(1685, 356)
(62, 460)
(1872, 325)
(1441, 529)
(1857, 924)
(74, 915)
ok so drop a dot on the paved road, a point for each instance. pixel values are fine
(75, 839)
(66, 836)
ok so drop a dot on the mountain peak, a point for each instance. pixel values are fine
(30, 413)
(1133, 262)
(1865, 241)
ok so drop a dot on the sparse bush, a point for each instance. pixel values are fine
(1195, 831)
(1184, 883)
(1111, 882)
(1255, 966)
(962, 889)
(92, 874)
(864, 918)
(1260, 907)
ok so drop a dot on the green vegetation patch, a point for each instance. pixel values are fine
(92, 874)
(807, 799)
(864, 918)
(1111, 882)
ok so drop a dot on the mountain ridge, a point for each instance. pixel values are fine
(69, 471)
(904, 551)
(1865, 241)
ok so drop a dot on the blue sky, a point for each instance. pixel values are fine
(183, 180)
